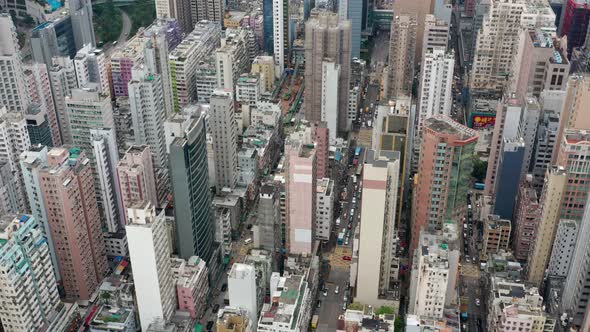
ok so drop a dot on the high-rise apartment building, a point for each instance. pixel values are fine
(68, 188)
(327, 41)
(135, 177)
(325, 209)
(527, 214)
(207, 10)
(497, 40)
(39, 91)
(81, 15)
(38, 125)
(436, 34)
(508, 176)
(225, 145)
(231, 59)
(435, 89)
(431, 274)
(149, 252)
(281, 35)
(264, 65)
(268, 220)
(322, 146)
(92, 67)
(544, 147)
(300, 165)
(183, 61)
(29, 293)
(146, 101)
(329, 104)
(419, 10)
(496, 234)
(12, 81)
(402, 48)
(8, 196)
(242, 289)
(574, 23)
(564, 246)
(54, 38)
(443, 174)
(190, 187)
(378, 263)
(62, 76)
(551, 198)
(179, 10)
(192, 284)
(540, 63)
(14, 139)
(106, 155)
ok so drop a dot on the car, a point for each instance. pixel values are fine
(346, 242)
(349, 226)
(325, 292)
(477, 302)
(223, 287)
(319, 303)
(215, 308)
(210, 324)
(345, 299)
(337, 289)
(347, 258)
(343, 306)
(249, 227)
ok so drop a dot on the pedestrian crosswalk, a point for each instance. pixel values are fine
(470, 270)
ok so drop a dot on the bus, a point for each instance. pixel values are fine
(358, 151)
(314, 322)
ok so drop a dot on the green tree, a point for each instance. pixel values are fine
(107, 22)
(480, 169)
(399, 324)
(355, 306)
(385, 310)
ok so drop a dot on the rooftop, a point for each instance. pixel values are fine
(285, 302)
(445, 125)
(108, 316)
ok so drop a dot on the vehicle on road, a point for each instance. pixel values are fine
(314, 322)
(319, 303)
(346, 242)
(325, 292)
(215, 308)
(248, 241)
(477, 302)
(347, 258)
(210, 324)
(349, 226)
(337, 289)
(223, 287)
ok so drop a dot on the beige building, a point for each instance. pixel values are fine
(231, 319)
(419, 9)
(402, 45)
(496, 234)
(551, 197)
(436, 34)
(378, 264)
(264, 65)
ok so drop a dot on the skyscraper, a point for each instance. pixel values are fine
(106, 155)
(268, 26)
(417, 9)
(551, 198)
(12, 81)
(190, 188)
(39, 91)
(207, 10)
(222, 124)
(327, 41)
(443, 174)
(146, 101)
(24, 249)
(436, 34)
(231, 59)
(135, 175)
(149, 252)
(281, 40)
(378, 265)
(91, 66)
(355, 16)
(62, 76)
(81, 14)
(402, 47)
(68, 188)
(508, 176)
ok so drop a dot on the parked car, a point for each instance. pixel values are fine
(477, 302)
(215, 308)
(319, 303)
(337, 289)
(347, 258)
(210, 324)
(223, 287)
(349, 226)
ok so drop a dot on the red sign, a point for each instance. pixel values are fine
(482, 121)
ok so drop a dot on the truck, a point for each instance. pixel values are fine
(338, 222)
(479, 186)
(341, 238)
(314, 322)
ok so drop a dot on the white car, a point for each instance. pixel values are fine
(336, 290)
(477, 302)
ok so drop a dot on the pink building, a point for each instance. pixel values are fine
(192, 284)
(444, 173)
(527, 215)
(135, 173)
(300, 160)
(255, 22)
(322, 145)
(39, 90)
(67, 185)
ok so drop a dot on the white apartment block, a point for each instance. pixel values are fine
(206, 79)
(290, 307)
(354, 97)
(430, 277)
(378, 263)
(436, 34)
(13, 90)
(516, 307)
(280, 28)
(563, 248)
(324, 208)
(146, 100)
(248, 89)
(8, 196)
(498, 39)
(104, 145)
(435, 90)
(266, 114)
(149, 252)
(184, 59)
(29, 293)
(329, 111)
(243, 290)
(91, 67)
(14, 140)
(232, 58)
(225, 145)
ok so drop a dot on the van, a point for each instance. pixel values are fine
(337, 289)
(248, 241)
(352, 213)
